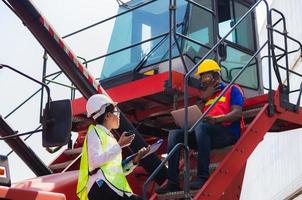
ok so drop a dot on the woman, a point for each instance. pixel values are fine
(102, 174)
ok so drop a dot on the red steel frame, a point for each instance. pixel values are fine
(225, 182)
(152, 85)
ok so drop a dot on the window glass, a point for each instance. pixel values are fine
(244, 32)
(229, 13)
(200, 25)
(234, 62)
(200, 29)
(136, 26)
(126, 60)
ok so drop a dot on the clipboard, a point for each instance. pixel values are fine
(153, 148)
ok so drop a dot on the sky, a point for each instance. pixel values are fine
(20, 50)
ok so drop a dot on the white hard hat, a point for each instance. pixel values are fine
(96, 105)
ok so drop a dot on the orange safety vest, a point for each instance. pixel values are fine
(223, 106)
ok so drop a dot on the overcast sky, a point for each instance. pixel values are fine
(20, 49)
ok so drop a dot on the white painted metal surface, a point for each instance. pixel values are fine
(274, 170)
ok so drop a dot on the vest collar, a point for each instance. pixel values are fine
(105, 130)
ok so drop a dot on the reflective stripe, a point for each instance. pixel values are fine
(211, 101)
(82, 191)
(112, 170)
(222, 107)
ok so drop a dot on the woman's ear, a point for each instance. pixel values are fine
(106, 115)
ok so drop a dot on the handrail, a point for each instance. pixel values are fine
(145, 58)
(293, 39)
(93, 25)
(277, 22)
(133, 45)
(280, 56)
(186, 81)
(227, 87)
(30, 78)
(25, 139)
(172, 27)
(286, 89)
(127, 47)
(201, 6)
(130, 10)
(151, 177)
(207, 54)
(112, 17)
(26, 100)
(284, 34)
(174, 33)
(192, 40)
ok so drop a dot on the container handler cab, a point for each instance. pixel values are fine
(149, 71)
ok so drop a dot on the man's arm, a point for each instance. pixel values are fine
(236, 109)
(234, 115)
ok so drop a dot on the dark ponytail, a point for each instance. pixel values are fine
(100, 119)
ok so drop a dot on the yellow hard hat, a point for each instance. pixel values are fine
(206, 66)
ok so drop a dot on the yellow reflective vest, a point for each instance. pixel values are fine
(112, 170)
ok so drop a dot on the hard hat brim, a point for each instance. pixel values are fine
(112, 103)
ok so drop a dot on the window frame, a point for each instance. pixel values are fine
(246, 51)
(248, 5)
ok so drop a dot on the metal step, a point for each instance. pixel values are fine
(175, 195)
(250, 113)
(193, 172)
(180, 194)
(72, 152)
(222, 150)
(60, 166)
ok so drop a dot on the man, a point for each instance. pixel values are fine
(220, 128)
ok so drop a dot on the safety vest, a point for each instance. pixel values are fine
(223, 105)
(112, 170)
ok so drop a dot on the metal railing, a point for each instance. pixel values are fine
(173, 34)
(285, 90)
(270, 44)
(187, 76)
(277, 57)
(57, 74)
(44, 76)
(162, 164)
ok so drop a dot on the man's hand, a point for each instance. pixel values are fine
(143, 151)
(213, 119)
(213, 87)
(125, 140)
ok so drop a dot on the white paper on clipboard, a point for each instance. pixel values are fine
(153, 148)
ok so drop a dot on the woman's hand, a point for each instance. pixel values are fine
(125, 140)
(143, 151)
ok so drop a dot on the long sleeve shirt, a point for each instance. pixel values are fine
(97, 157)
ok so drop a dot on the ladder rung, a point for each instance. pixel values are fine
(175, 195)
(193, 172)
(251, 112)
(63, 165)
(73, 152)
